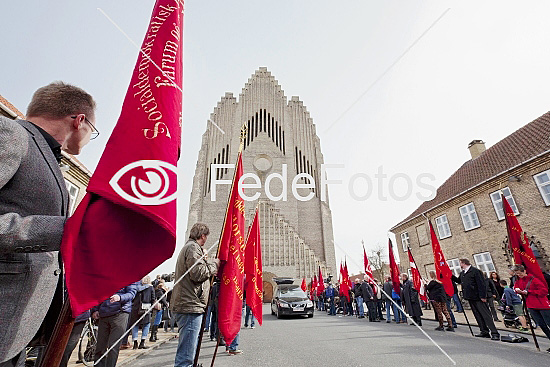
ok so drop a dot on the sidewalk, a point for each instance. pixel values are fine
(126, 356)
(461, 320)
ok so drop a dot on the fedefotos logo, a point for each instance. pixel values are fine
(360, 185)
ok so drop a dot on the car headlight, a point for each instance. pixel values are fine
(283, 304)
(309, 304)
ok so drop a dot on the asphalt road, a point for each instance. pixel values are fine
(347, 341)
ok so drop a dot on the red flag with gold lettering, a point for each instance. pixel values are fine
(519, 243)
(253, 270)
(125, 225)
(232, 254)
(442, 269)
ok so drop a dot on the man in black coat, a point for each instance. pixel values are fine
(368, 295)
(409, 297)
(474, 289)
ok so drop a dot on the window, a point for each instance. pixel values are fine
(454, 264)
(484, 262)
(543, 182)
(405, 242)
(469, 216)
(497, 202)
(73, 195)
(422, 235)
(443, 227)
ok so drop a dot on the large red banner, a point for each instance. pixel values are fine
(417, 280)
(232, 256)
(253, 270)
(394, 270)
(519, 243)
(126, 224)
(442, 269)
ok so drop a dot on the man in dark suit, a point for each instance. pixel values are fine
(33, 209)
(474, 289)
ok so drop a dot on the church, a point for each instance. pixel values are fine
(280, 147)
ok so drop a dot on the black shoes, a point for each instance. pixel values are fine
(135, 344)
(482, 335)
(495, 337)
(439, 328)
(450, 328)
(142, 345)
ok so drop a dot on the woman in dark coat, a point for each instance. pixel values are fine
(159, 292)
(409, 297)
(144, 296)
(438, 297)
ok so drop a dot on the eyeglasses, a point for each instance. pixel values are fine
(95, 132)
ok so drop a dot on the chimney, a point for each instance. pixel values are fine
(476, 147)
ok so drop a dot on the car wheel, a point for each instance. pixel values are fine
(272, 312)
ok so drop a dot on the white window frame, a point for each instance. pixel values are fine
(454, 265)
(72, 199)
(541, 186)
(469, 215)
(496, 198)
(443, 228)
(483, 264)
(405, 238)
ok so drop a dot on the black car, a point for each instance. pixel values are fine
(290, 299)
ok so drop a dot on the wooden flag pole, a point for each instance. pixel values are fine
(60, 337)
(528, 319)
(201, 333)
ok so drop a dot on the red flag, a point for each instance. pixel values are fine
(394, 271)
(304, 284)
(320, 283)
(253, 270)
(442, 269)
(368, 269)
(417, 280)
(519, 243)
(126, 224)
(312, 289)
(344, 288)
(232, 255)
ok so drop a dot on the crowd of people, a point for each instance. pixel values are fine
(484, 296)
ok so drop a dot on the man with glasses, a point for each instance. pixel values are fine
(34, 206)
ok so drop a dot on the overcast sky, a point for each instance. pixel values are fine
(481, 72)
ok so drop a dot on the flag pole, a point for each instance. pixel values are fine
(60, 337)
(528, 319)
(465, 316)
(203, 323)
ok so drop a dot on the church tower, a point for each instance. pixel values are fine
(296, 235)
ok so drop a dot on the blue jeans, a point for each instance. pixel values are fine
(453, 320)
(208, 317)
(144, 332)
(389, 305)
(189, 326)
(234, 344)
(249, 315)
(321, 305)
(542, 318)
(158, 318)
(397, 314)
(458, 304)
(332, 307)
(360, 306)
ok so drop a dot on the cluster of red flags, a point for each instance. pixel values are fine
(320, 283)
(394, 270)
(130, 209)
(238, 257)
(519, 243)
(345, 284)
(442, 269)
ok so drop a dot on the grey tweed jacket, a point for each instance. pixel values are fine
(33, 210)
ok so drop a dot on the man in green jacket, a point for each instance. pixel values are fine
(190, 295)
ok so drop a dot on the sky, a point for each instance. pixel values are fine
(397, 87)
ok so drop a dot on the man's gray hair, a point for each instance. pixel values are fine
(58, 100)
(198, 230)
(519, 268)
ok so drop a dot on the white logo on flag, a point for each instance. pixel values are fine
(147, 182)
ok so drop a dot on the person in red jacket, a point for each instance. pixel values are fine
(535, 292)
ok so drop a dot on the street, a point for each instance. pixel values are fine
(348, 341)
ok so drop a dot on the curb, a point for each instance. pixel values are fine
(498, 328)
(132, 358)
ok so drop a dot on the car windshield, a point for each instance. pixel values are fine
(293, 293)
